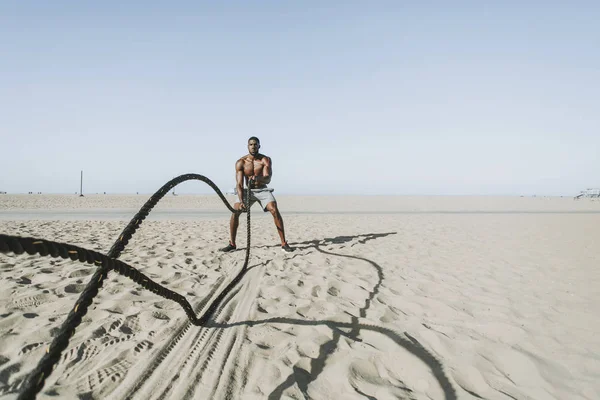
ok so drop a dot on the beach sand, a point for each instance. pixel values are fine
(384, 298)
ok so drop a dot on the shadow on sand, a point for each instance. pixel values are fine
(302, 377)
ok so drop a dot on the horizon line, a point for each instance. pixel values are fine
(292, 194)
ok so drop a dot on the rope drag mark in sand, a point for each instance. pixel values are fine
(302, 377)
(105, 263)
(408, 342)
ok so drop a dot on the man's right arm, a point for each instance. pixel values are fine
(239, 178)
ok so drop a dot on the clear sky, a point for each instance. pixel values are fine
(347, 97)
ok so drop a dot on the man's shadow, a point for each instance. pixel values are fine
(302, 377)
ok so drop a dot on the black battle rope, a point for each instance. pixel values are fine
(18, 245)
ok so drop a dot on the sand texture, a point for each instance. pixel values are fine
(464, 304)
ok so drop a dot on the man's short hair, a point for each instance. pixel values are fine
(254, 138)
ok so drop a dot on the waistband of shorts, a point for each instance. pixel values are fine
(261, 190)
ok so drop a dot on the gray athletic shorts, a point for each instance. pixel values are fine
(263, 196)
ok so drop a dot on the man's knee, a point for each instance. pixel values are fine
(272, 208)
(236, 216)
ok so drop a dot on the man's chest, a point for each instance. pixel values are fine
(253, 166)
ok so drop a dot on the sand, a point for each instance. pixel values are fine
(384, 298)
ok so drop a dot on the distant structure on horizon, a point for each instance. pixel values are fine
(81, 185)
(591, 193)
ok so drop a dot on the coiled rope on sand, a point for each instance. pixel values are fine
(105, 263)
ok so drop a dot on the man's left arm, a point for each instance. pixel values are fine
(267, 172)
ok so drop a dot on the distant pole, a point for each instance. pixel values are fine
(81, 185)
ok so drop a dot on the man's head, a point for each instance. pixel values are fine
(253, 145)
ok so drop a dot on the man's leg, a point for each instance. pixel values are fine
(272, 208)
(234, 222)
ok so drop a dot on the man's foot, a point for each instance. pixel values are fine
(230, 247)
(286, 247)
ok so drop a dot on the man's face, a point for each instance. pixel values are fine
(253, 147)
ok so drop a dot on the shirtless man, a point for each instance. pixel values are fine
(258, 168)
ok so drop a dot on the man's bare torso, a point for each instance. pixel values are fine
(255, 166)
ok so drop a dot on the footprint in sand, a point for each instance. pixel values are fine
(388, 316)
(30, 315)
(162, 304)
(132, 322)
(74, 288)
(11, 369)
(261, 310)
(80, 353)
(367, 379)
(115, 325)
(143, 345)
(333, 291)
(81, 272)
(7, 267)
(161, 315)
(316, 291)
(113, 372)
(126, 330)
(117, 340)
(303, 311)
(26, 349)
(30, 301)
(98, 333)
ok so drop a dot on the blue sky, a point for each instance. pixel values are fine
(350, 97)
